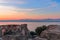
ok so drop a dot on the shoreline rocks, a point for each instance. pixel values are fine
(21, 32)
(51, 33)
(14, 32)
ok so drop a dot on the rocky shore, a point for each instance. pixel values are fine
(14, 32)
(51, 33)
(21, 32)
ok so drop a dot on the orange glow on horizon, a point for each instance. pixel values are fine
(11, 13)
(25, 16)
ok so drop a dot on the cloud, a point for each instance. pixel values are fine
(13, 1)
(11, 10)
(15, 12)
(47, 3)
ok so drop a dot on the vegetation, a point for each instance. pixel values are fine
(32, 33)
(38, 30)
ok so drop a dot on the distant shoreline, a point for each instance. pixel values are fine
(30, 21)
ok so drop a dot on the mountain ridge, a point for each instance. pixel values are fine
(32, 20)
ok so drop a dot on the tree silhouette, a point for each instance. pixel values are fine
(38, 30)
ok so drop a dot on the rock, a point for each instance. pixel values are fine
(18, 32)
(38, 38)
(0, 38)
(51, 33)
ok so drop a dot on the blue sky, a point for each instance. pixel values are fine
(32, 9)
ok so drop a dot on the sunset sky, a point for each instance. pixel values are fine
(29, 9)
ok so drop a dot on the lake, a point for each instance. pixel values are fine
(32, 25)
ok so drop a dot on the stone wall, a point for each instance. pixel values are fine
(14, 32)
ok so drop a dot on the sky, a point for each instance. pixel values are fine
(29, 9)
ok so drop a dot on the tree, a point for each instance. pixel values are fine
(38, 30)
(44, 27)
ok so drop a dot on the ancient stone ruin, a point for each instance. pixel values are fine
(14, 32)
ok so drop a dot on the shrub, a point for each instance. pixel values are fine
(38, 30)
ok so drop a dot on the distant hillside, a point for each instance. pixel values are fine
(30, 20)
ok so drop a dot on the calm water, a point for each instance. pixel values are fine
(32, 25)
